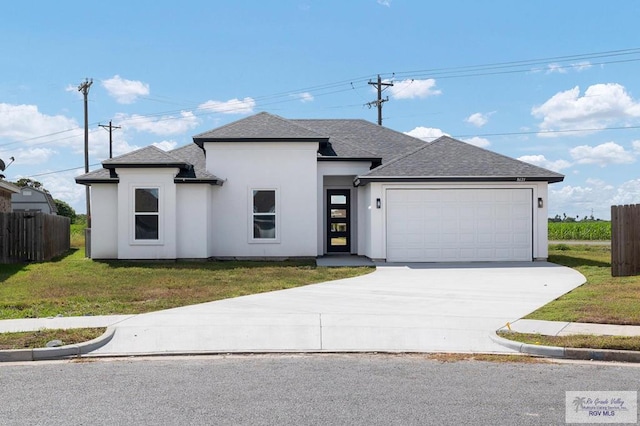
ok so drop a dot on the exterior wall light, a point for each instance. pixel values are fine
(378, 203)
(540, 203)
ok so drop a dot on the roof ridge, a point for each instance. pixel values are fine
(144, 148)
(234, 122)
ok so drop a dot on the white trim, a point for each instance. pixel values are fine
(277, 213)
(132, 215)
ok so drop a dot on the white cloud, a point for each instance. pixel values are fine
(636, 146)
(478, 141)
(581, 66)
(627, 193)
(602, 155)
(541, 161)
(410, 89)
(478, 119)
(20, 122)
(601, 105)
(232, 106)
(596, 196)
(125, 91)
(165, 125)
(386, 3)
(63, 186)
(165, 145)
(31, 156)
(426, 133)
(303, 97)
(551, 68)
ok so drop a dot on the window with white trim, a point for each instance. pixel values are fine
(264, 214)
(146, 214)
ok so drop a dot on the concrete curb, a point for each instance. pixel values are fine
(67, 351)
(568, 353)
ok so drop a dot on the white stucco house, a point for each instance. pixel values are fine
(270, 187)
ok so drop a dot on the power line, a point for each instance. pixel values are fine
(349, 84)
(111, 128)
(380, 87)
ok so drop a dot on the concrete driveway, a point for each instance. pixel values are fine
(408, 307)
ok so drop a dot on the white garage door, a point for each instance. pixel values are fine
(459, 225)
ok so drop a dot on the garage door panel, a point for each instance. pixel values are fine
(459, 225)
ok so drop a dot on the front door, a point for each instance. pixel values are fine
(338, 221)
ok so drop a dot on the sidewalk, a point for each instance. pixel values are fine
(550, 328)
(559, 328)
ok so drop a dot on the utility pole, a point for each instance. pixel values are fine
(110, 127)
(378, 102)
(84, 88)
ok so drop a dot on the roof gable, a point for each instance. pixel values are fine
(450, 159)
(189, 159)
(260, 127)
(149, 156)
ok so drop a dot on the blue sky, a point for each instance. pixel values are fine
(552, 83)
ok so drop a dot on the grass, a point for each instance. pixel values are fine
(630, 343)
(39, 339)
(602, 299)
(73, 285)
(583, 231)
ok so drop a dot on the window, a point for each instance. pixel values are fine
(264, 214)
(146, 214)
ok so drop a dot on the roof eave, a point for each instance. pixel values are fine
(92, 181)
(110, 166)
(218, 182)
(337, 158)
(363, 180)
(200, 141)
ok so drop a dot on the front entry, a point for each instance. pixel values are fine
(338, 221)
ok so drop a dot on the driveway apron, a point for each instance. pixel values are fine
(397, 308)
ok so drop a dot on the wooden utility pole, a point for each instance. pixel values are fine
(84, 88)
(110, 127)
(378, 102)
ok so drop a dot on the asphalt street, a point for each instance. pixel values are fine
(329, 389)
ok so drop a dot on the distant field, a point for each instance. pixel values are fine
(586, 231)
(77, 234)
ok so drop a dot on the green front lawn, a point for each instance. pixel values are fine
(603, 299)
(74, 285)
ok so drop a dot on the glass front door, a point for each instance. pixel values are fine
(338, 221)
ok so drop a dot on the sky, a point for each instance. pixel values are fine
(553, 83)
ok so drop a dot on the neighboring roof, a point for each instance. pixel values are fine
(361, 138)
(262, 127)
(19, 198)
(448, 159)
(189, 159)
(9, 187)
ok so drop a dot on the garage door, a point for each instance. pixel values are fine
(459, 225)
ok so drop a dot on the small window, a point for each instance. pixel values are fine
(264, 214)
(146, 214)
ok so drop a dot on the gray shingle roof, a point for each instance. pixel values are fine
(361, 138)
(189, 159)
(194, 155)
(147, 156)
(447, 158)
(97, 176)
(260, 127)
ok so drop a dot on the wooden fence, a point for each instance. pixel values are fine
(33, 237)
(625, 240)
